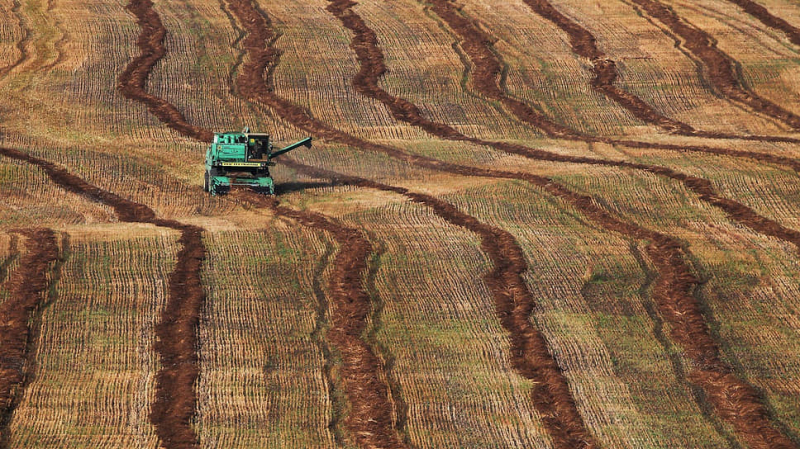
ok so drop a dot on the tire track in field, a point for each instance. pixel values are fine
(584, 44)
(175, 404)
(767, 18)
(133, 80)
(13, 253)
(27, 286)
(736, 401)
(720, 67)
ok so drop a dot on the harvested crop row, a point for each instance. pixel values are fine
(719, 66)
(584, 44)
(373, 67)
(675, 278)
(175, 405)
(26, 285)
(21, 43)
(529, 353)
(605, 70)
(371, 59)
(761, 13)
(477, 44)
(132, 80)
(370, 419)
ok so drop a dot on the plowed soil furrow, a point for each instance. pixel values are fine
(175, 404)
(719, 67)
(477, 44)
(529, 353)
(369, 419)
(605, 70)
(767, 18)
(133, 79)
(372, 67)
(371, 59)
(584, 44)
(736, 401)
(27, 287)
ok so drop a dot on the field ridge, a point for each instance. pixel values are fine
(26, 286)
(719, 66)
(735, 400)
(174, 408)
(767, 18)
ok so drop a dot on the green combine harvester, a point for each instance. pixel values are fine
(242, 159)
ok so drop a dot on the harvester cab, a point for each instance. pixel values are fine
(242, 159)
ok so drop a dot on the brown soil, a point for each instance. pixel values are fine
(761, 13)
(175, 404)
(584, 44)
(27, 287)
(605, 69)
(719, 66)
(369, 419)
(673, 288)
(132, 81)
(372, 67)
(529, 353)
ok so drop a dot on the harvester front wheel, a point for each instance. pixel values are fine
(206, 183)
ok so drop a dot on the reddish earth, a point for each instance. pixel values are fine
(719, 66)
(176, 402)
(26, 286)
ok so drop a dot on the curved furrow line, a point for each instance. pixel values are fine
(767, 18)
(584, 44)
(529, 352)
(478, 46)
(133, 79)
(174, 408)
(27, 287)
(370, 419)
(719, 66)
(371, 59)
(736, 401)
(21, 44)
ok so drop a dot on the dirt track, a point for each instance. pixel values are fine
(26, 286)
(174, 408)
(719, 66)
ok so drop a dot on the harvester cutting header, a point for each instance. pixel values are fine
(242, 159)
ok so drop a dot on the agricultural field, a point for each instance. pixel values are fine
(525, 223)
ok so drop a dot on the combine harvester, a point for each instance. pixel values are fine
(242, 159)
